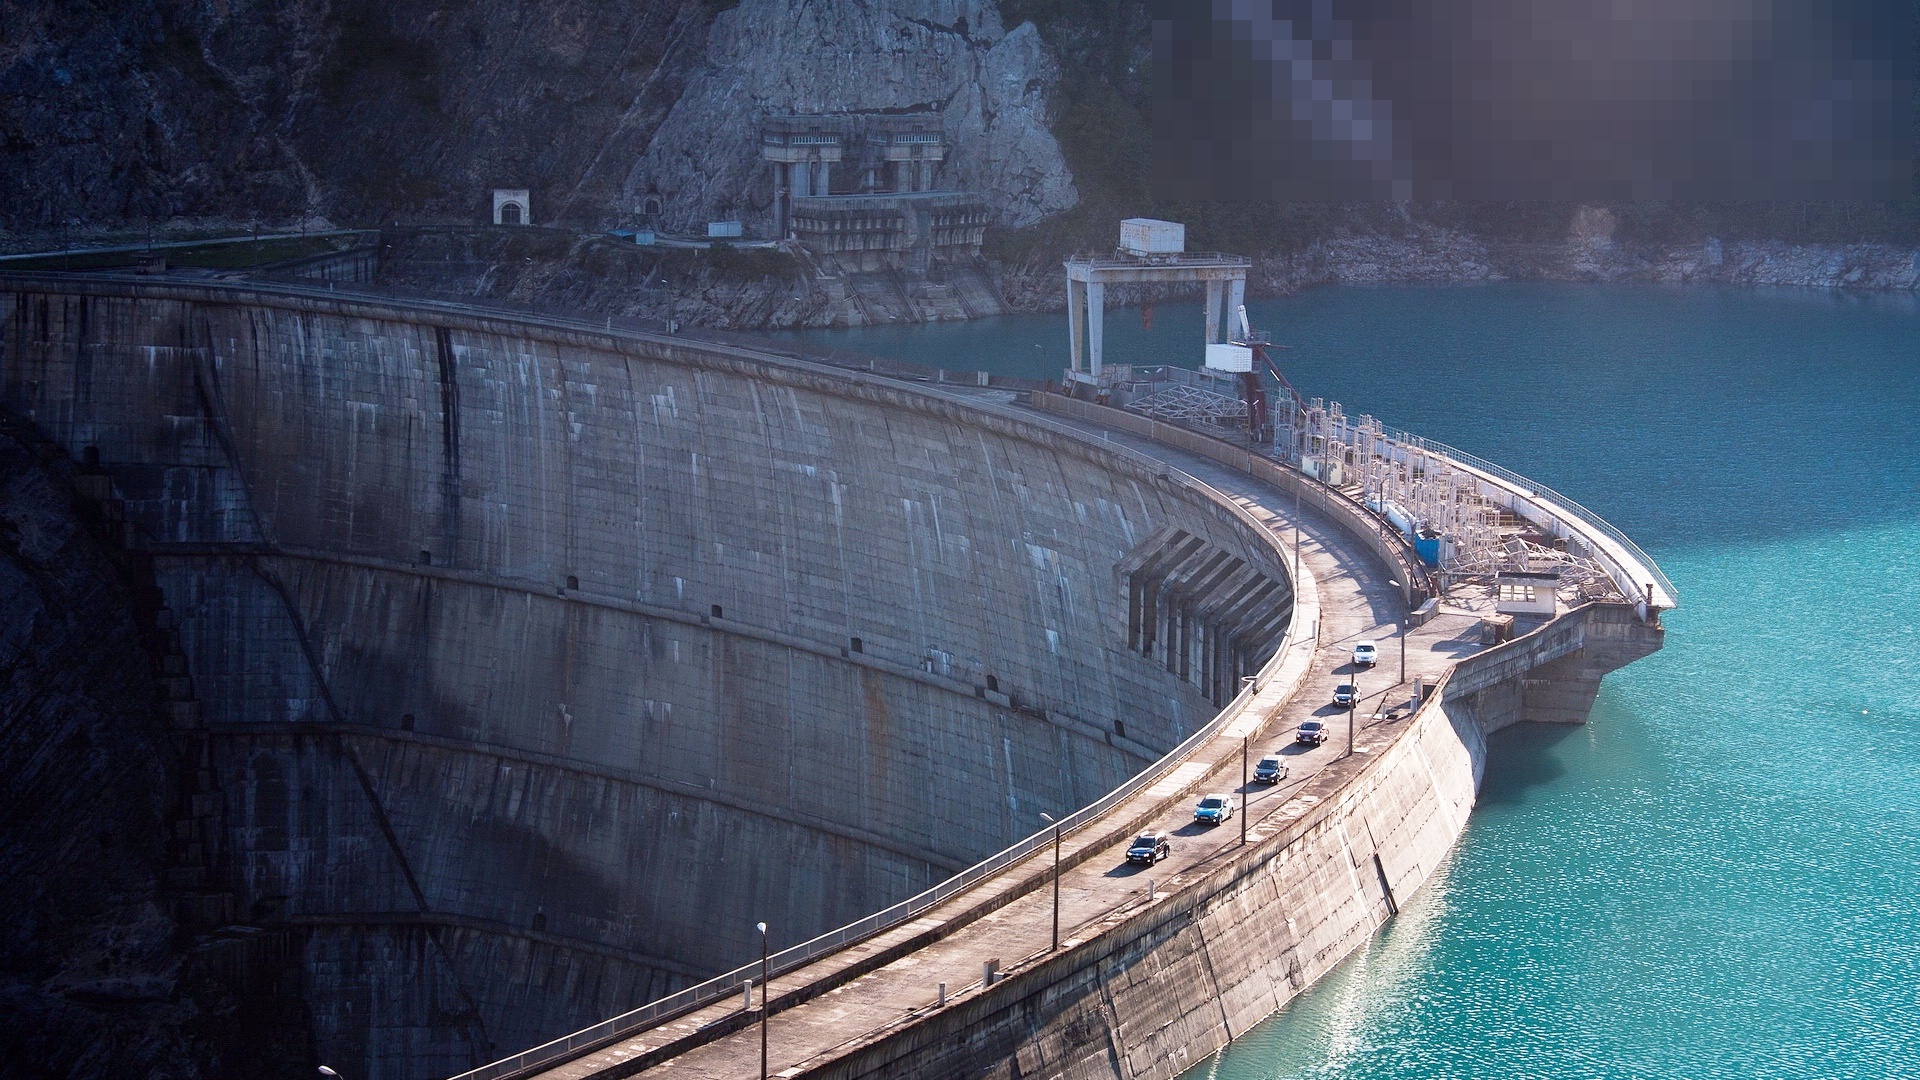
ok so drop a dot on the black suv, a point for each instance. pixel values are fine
(1149, 848)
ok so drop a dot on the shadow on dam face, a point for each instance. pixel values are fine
(532, 667)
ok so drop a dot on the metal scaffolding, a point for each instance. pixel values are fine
(1427, 496)
(1190, 403)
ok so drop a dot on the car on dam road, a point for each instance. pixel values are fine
(1271, 770)
(1213, 809)
(1366, 654)
(1345, 694)
(1311, 733)
(1149, 848)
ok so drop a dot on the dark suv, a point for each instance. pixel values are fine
(1149, 848)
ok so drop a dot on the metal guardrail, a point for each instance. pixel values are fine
(1175, 259)
(649, 329)
(786, 960)
(726, 985)
(1419, 581)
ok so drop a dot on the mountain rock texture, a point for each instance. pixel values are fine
(129, 113)
(776, 57)
(148, 111)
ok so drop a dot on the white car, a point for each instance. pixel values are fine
(1366, 654)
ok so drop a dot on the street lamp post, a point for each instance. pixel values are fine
(1402, 635)
(1353, 703)
(1245, 741)
(1056, 879)
(765, 1000)
(1296, 534)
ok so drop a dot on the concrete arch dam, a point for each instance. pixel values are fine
(524, 668)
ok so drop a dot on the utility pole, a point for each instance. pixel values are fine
(1244, 742)
(1056, 880)
(766, 999)
(1296, 534)
(1353, 703)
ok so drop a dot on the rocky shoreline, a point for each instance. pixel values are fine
(1432, 256)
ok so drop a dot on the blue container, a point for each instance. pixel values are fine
(1428, 548)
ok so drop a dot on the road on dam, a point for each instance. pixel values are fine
(1345, 595)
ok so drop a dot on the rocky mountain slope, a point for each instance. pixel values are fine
(954, 57)
(124, 115)
(138, 113)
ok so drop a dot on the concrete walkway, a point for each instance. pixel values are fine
(1355, 603)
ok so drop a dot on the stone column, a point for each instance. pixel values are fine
(780, 196)
(1236, 296)
(1076, 303)
(1210, 323)
(1096, 324)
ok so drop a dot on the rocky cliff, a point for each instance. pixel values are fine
(151, 111)
(772, 57)
(128, 115)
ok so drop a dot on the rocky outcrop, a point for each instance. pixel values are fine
(150, 110)
(775, 57)
(157, 111)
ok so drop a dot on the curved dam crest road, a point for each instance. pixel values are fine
(522, 667)
(361, 509)
(1152, 979)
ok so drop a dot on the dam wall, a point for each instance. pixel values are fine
(532, 666)
(1145, 987)
(1184, 975)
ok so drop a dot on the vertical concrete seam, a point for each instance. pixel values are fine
(1215, 991)
(307, 651)
(449, 442)
(208, 390)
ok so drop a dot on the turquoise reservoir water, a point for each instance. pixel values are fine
(1719, 876)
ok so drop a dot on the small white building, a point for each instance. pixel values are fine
(512, 207)
(1526, 593)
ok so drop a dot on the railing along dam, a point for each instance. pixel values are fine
(1150, 980)
(525, 666)
(531, 665)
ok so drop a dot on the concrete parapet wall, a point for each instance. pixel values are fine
(627, 642)
(1389, 547)
(1157, 991)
